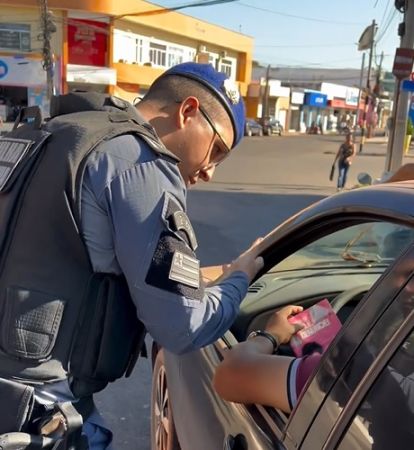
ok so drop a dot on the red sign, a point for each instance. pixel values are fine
(403, 62)
(88, 42)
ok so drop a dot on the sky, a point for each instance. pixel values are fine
(306, 33)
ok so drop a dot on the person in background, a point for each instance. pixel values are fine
(344, 156)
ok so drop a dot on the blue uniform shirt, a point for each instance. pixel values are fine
(130, 196)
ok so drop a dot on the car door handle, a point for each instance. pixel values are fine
(235, 443)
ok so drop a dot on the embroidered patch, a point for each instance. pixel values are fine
(182, 222)
(185, 270)
(231, 91)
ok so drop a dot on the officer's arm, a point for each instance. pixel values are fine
(155, 247)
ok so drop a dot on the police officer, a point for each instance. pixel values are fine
(134, 221)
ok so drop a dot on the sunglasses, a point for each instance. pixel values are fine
(219, 152)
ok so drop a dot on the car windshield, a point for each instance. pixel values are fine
(376, 243)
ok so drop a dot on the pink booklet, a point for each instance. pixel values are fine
(321, 325)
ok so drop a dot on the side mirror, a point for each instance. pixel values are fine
(364, 179)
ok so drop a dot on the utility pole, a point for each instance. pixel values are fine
(361, 77)
(395, 149)
(368, 89)
(48, 28)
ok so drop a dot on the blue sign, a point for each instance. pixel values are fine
(3, 69)
(411, 112)
(408, 85)
(316, 99)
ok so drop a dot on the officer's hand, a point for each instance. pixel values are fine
(248, 262)
(279, 326)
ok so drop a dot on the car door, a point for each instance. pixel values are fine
(202, 419)
(282, 429)
(354, 364)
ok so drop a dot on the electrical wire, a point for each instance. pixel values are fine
(312, 19)
(384, 31)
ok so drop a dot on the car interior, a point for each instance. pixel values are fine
(341, 267)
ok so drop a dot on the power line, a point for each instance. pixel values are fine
(384, 31)
(176, 8)
(312, 19)
(305, 45)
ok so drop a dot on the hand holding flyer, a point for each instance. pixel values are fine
(320, 326)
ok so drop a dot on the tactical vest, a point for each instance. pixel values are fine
(58, 319)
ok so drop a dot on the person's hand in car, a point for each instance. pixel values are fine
(251, 373)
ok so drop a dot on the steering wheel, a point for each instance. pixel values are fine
(346, 296)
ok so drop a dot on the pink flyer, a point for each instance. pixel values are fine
(321, 325)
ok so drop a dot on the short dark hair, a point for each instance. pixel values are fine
(169, 89)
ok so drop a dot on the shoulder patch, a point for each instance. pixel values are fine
(185, 269)
(182, 222)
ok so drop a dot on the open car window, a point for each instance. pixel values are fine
(349, 260)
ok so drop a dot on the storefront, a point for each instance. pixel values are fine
(88, 63)
(296, 102)
(22, 83)
(313, 109)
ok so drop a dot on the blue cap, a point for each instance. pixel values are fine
(221, 86)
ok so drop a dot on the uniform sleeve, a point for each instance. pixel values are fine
(155, 247)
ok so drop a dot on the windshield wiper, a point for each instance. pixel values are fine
(363, 257)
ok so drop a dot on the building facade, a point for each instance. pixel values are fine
(106, 46)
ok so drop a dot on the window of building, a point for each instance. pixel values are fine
(226, 67)
(15, 36)
(138, 50)
(158, 54)
(175, 56)
(385, 418)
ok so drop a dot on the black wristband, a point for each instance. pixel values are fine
(267, 335)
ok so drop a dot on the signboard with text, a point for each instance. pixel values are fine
(316, 99)
(88, 42)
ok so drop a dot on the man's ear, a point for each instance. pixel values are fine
(187, 111)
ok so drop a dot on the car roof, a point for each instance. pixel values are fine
(390, 201)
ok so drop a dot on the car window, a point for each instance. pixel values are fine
(369, 243)
(385, 419)
(350, 258)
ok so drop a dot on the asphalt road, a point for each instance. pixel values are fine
(264, 182)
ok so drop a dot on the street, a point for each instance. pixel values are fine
(265, 181)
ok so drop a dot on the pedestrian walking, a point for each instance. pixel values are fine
(344, 157)
(96, 246)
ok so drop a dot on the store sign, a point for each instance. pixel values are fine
(297, 98)
(316, 99)
(352, 95)
(411, 111)
(20, 71)
(15, 36)
(4, 69)
(88, 42)
(337, 103)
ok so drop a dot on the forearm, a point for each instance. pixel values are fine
(250, 373)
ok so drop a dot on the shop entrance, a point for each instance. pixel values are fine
(12, 99)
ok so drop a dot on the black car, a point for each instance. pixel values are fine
(271, 126)
(253, 128)
(355, 249)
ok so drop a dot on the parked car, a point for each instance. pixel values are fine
(271, 126)
(355, 249)
(253, 128)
